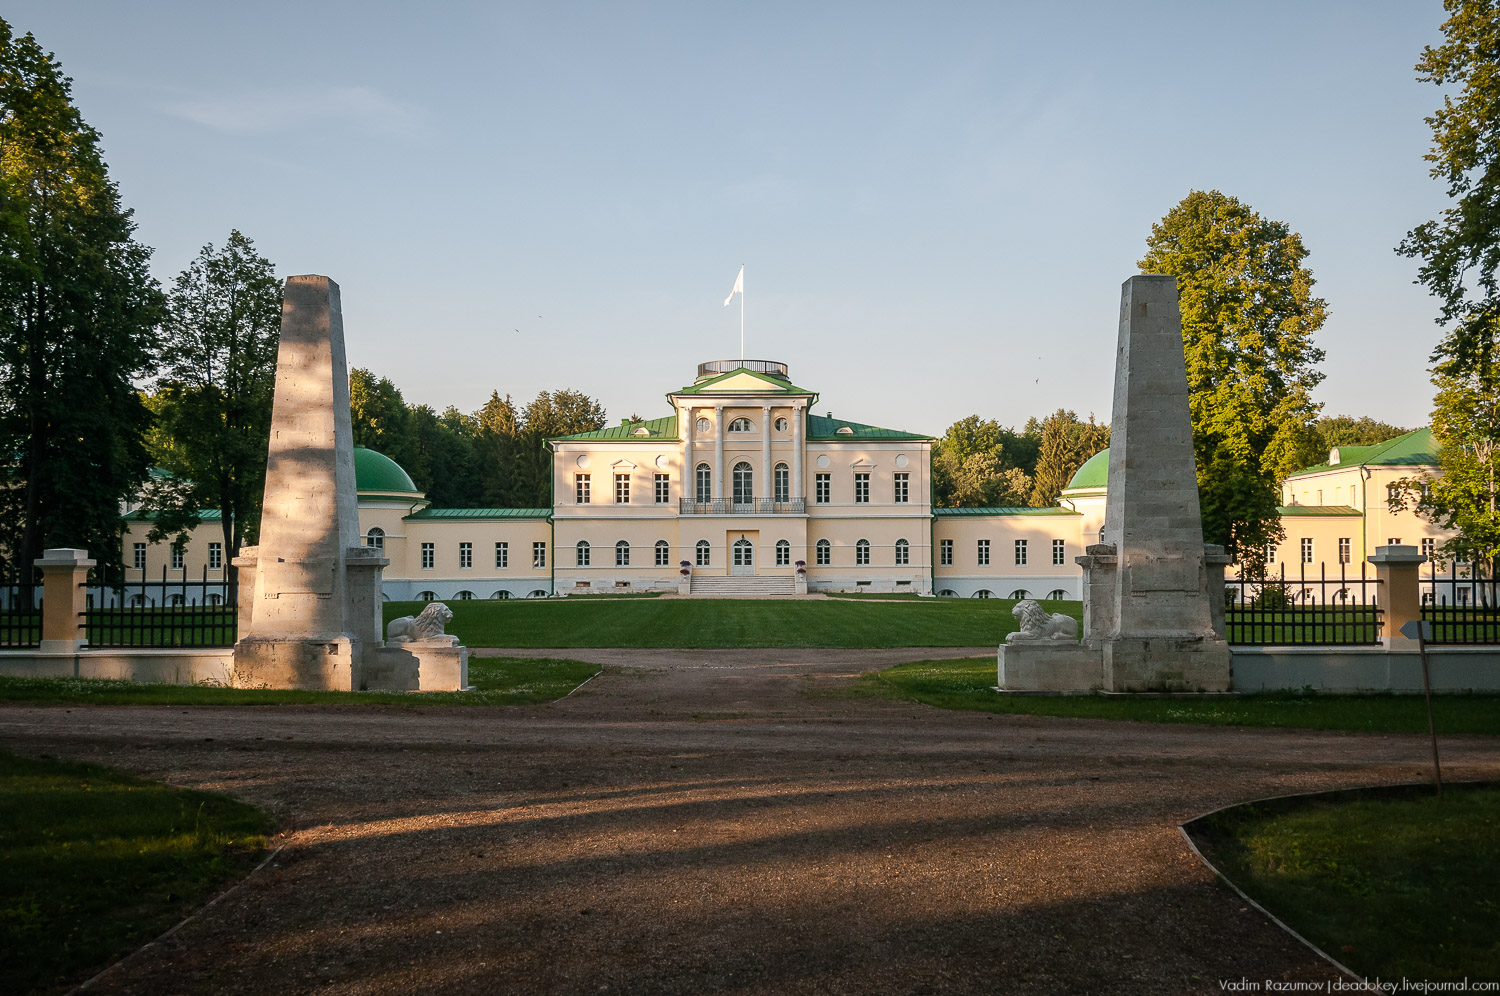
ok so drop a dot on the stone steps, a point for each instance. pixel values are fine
(748, 585)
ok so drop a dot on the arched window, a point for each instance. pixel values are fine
(1056, 595)
(862, 552)
(947, 593)
(178, 601)
(783, 483)
(427, 596)
(744, 484)
(465, 596)
(1020, 593)
(705, 478)
(139, 601)
(825, 553)
(212, 599)
(741, 425)
(375, 538)
(743, 553)
(581, 551)
(983, 593)
(903, 552)
(538, 593)
(500, 595)
(783, 553)
(622, 553)
(663, 554)
(702, 548)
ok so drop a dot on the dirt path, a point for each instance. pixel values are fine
(706, 821)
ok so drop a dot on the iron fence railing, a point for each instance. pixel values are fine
(1267, 610)
(1462, 608)
(755, 506)
(171, 612)
(20, 611)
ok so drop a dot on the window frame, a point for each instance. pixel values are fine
(582, 489)
(216, 556)
(783, 553)
(429, 556)
(1023, 553)
(903, 553)
(982, 553)
(663, 553)
(466, 556)
(901, 489)
(663, 488)
(781, 483)
(862, 488)
(822, 489)
(703, 553)
(945, 553)
(862, 553)
(622, 553)
(1059, 553)
(823, 551)
(703, 484)
(622, 489)
(582, 554)
(502, 555)
(538, 554)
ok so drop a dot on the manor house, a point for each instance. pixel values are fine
(745, 489)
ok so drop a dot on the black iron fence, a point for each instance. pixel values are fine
(20, 610)
(1463, 608)
(171, 612)
(1303, 610)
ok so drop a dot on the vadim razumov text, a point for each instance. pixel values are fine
(1376, 985)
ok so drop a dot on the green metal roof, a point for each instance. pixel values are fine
(480, 513)
(377, 472)
(1314, 511)
(820, 427)
(658, 429)
(1416, 448)
(1054, 510)
(773, 385)
(1093, 474)
(204, 515)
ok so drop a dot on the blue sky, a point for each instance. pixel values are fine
(936, 203)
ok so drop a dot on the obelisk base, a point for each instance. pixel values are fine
(1166, 664)
(314, 665)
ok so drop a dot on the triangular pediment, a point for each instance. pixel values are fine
(741, 381)
(862, 463)
(623, 464)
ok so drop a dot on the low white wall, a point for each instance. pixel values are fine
(1365, 669)
(160, 666)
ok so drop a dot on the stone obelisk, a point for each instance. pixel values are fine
(306, 623)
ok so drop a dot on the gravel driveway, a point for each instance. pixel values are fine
(705, 821)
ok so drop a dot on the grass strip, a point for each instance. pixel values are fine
(94, 862)
(968, 683)
(1393, 883)
(497, 681)
(703, 623)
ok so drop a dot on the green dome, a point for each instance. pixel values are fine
(378, 472)
(1093, 474)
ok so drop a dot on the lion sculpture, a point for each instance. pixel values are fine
(426, 627)
(1040, 626)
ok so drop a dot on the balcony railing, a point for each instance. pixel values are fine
(755, 506)
(773, 367)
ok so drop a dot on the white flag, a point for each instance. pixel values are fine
(739, 287)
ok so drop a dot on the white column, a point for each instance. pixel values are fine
(766, 487)
(799, 451)
(689, 472)
(718, 452)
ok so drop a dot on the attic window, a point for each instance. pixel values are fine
(642, 431)
(1333, 457)
(843, 430)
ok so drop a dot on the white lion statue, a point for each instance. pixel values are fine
(426, 627)
(1040, 626)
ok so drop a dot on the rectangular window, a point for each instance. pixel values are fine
(705, 479)
(1307, 550)
(215, 556)
(139, 552)
(622, 554)
(1059, 552)
(176, 558)
(428, 556)
(663, 489)
(466, 555)
(903, 489)
(1393, 541)
(502, 555)
(945, 553)
(622, 489)
(663, 554)
(984, 553)
(1020, 553)
(824, 488)
(539, 555)
(1343, 549)
(1271, 553)
(581, 488)
(1429, 547)
(1392, 492)
(861, 489)
(825, 554)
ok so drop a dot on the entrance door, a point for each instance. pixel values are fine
(742, 557)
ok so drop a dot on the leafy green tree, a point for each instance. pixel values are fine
(213, 401)
(1460, 253)
(1066, 444)
(549, 414)
(1248, 320)
(78, 321)
(1347, 430)
(972, 464)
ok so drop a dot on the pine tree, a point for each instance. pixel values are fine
(1066, 444)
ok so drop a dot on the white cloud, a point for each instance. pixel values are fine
(358, 107)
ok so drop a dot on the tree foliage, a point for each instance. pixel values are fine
(78, 321)
(1248, 320)
(981, 464)
(1347, 430)
(1066, 444)
(213, 400)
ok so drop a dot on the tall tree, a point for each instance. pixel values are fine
(980, 463)
(1248, 320)
(497, 445)
(78, 320)
(1066, 444)
(1460, 253)
(213, 401)
(549, 414)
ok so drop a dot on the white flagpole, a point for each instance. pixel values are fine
(742, 314)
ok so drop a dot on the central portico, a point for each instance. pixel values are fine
(743, 480)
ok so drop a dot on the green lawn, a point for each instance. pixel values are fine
(968, 683)
(727, 622)
(94, 862)
(1391, 883)
(498, 681)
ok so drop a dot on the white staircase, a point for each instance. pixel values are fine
(759, 587)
